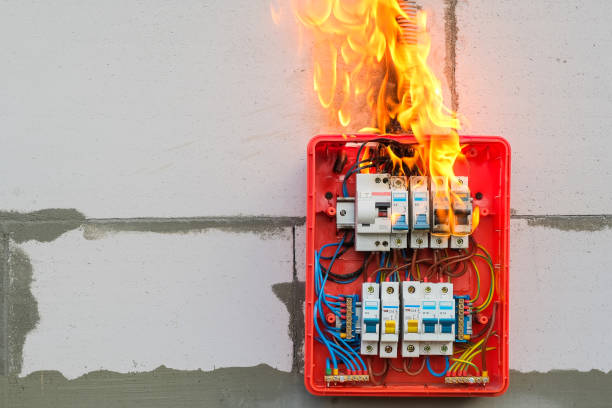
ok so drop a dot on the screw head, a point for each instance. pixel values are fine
(419, 241)
(427, 289)
(410, 348)
(385, 180)
(369, 348)
(388, 349)
(427, 348)
(390, 290)
(377, 180)
(377, 243)
(370, 289)
(342, 213)
(385, 243)
(398, 182)
(438, 240)
(460, 241)
(398, 241)
(411, 289)
(444, 348)
(329, 195)
(444, 289)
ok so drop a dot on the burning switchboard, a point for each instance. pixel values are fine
(407, 291)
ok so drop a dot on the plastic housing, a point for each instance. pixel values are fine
(488, 169)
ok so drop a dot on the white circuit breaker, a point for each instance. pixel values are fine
(390, 319)
(440, 212)
(373, 212)
(412, 296)
(370, 318)
(462, 210)
(419, 212)
(399, 212)
(428, 318)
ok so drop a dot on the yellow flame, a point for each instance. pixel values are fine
(374, 53)
(475, 217)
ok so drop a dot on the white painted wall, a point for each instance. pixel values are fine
(135, 301)
(191, 108)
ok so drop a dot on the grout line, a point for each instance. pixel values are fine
(4, 282)
(295, 287)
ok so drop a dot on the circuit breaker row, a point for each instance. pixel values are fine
(399, 212)
(416, 317)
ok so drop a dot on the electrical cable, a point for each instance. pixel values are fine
(432, 372)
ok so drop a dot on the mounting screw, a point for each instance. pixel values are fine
(478, 195)
(385, 243)
(398, 241)
(460, 181)
(377, 243)
(369, 348)
(398, 182)
(460, 241)
(390, 290)
(329, 195)
(410, 348)
(377, 179)
(444, 289)
(388, 349)
(427, 289)
(385, 180)
(411, 289)
(444, 348)
(343, 212)
(427, 348)
(371, 289)
(419, 241)
(439, 241)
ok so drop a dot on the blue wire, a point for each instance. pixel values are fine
(432, 372)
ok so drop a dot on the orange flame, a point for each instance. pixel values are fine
(374, 53)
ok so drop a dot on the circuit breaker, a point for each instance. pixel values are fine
(462, 212)
(390, 319)
(370, 318)
(419, 212)
(373, 212)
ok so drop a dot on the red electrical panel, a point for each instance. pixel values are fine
(487, 167)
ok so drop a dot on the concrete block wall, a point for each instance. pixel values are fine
(152, 247)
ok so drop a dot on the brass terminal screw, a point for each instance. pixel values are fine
(369, 348)
(427, 289)
(390, 290)
(371, 289)
(388, 349)
(377, 179)
(411, 289)
(427, 348)
(410, 348)
(444, 348)
(460, 241)
(419, 241)
(444, 289)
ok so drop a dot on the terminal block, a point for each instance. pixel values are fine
(463, 319)
(370, 318)
(390, 319)
(419, 212)
(440, 212)
(462, 213)
(373, 212)
(399, 212)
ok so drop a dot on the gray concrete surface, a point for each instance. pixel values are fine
(154, 163)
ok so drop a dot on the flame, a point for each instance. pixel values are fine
(374, 53)
(475, 218)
